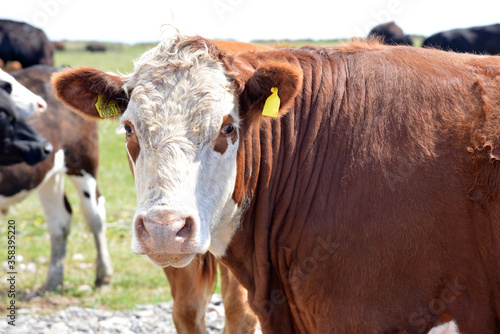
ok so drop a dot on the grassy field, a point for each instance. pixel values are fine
(118, 58)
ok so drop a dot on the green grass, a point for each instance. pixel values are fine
(118, 58)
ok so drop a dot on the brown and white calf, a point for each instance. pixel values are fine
(370, 204)
(75, 153)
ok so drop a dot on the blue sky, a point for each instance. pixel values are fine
(244, 20)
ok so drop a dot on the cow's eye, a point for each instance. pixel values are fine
(228, 129)
(128, 129)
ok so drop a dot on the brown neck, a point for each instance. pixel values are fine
(273, 158)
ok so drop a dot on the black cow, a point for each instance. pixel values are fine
(19, 141)
(391, 34)
(484, 39)
(96, 47)
(24, 43)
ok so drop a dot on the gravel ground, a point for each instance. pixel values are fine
(150, 319)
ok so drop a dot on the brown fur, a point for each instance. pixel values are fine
(286, 77)
(221, 141)
(133, 146)
(59, 127)
(371, 168)
(235, 47)
(79, 88)
(191, 288)
(243, 320)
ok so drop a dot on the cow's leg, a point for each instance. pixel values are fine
(239, 317)
(58, 215)
(191, 288)
(92, 205)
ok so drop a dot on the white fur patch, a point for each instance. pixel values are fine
(90, 205)
(447, 328)
(93, 209)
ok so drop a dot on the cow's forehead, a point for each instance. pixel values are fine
(187, 89)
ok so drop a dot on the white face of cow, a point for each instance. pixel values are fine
(182, 141)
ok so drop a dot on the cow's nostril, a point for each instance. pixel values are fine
(41, 105)
(48, 148)
(142, 232)
(185, 231)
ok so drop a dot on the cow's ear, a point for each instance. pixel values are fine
(84, 87)
(271, 78)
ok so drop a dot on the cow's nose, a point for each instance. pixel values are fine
(163, 232)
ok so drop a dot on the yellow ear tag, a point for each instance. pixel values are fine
(272, 105)
(106, 108)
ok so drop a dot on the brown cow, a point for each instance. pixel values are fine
(369, 205)
(59, 45)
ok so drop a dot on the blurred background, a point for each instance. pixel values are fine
(245, 20)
